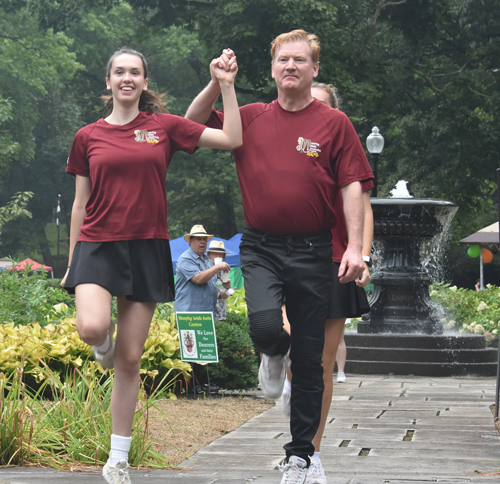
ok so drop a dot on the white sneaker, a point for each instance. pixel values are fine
(272, 375)
(118, 474)
(295, 471)
(316, 473)
(286, 398)
(107, 359)
(341, 377)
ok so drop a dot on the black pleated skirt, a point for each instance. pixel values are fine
(140, 270)
(346, 300)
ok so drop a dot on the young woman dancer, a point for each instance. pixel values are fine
(347, 300)
(119, 241)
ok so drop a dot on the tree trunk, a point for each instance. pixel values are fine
(226, 219)
(48, 260)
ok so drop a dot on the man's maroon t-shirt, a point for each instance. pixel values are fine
(127, 166)
(292, 164)
(339, 233)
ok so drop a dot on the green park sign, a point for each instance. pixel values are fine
(197, 337)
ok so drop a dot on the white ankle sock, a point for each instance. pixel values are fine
(120, 447)
(288, 385)
(315, 456)
(104, 346)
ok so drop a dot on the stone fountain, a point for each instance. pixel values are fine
(403, 334)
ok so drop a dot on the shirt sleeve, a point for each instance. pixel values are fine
(216, 119)
(351, 164)
(367, 185)
(78, 163)
(184, 134)
(188, 268)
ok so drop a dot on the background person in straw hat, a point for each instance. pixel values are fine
(216, 249)
(196, 284)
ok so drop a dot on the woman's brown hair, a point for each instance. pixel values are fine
(150, 101)
(331, 90)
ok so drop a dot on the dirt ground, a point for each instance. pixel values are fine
(182, 427)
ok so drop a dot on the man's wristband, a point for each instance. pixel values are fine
(368, 260)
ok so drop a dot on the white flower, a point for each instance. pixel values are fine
(482, 306)
(450, 324)
(453, 288)
(479, 329)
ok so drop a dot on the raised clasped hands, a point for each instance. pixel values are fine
(224, 68)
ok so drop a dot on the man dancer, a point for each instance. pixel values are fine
(297, 154)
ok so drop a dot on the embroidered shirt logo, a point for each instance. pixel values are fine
(145, 136)
(308, 147)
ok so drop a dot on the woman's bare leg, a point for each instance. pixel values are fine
(341, 353)
(134, 320)
(93, 313)
(333, 332)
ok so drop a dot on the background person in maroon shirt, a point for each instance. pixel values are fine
(297, 154)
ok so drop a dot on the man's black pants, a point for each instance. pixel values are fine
(299, 269)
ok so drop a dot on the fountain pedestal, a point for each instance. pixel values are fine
(401, 301)
(402, 334)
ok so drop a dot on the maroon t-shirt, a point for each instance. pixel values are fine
(339, 233)
(127, 166)
(292, 164)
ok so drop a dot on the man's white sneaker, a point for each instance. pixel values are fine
(341, 377)
(295, 471)
(272, 375)
(286, 398)
(107, 359)
(316, 473)
(117, 474)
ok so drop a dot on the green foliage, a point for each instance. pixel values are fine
(71, 428)
(239, 319)
(424, 71)
(8, 148)
(16, 208)
(27, 297)
(237, 306)
(469, 311)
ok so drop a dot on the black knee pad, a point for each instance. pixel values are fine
(266, 325)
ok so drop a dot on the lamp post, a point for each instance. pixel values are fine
(375, 145)
(58, 209)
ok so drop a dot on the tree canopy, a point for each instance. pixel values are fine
(424, 71)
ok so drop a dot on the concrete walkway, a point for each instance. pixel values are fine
(381, 429)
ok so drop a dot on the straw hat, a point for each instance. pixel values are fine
(217, 246)
(197, 231)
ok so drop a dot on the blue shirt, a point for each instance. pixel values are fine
(188, 295)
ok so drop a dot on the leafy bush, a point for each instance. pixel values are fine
(237, 304)
(238, 364)
(238, 319)
(59, 347)
(28, 297)
(469, 311)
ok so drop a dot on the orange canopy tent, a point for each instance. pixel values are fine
(29, 264)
